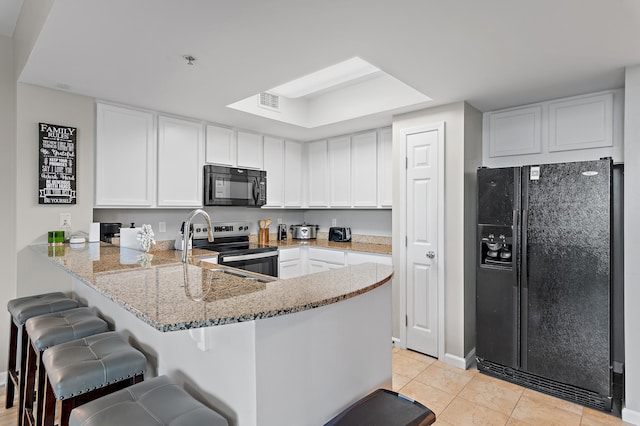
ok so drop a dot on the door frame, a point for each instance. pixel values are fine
(400, 268)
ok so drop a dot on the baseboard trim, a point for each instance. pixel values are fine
(461, 363)
(631, 416)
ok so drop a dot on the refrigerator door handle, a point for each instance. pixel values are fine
(523, 244)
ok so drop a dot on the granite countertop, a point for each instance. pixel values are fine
(169, 295)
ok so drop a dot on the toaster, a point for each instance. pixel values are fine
(340, 234)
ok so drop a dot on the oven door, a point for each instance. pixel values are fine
(265, 263)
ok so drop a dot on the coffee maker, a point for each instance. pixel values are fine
(282, 232)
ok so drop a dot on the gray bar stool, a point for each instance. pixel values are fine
(153, 402)
(45, 331)
(86, 369)
(21, 309)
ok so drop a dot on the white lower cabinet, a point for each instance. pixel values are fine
(297, 261)
(324, 259)
(290, 263)
(356, 257)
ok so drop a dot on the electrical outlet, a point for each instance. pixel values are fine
(162, 226)
(334, 222)
(65, 217)
(279, 221)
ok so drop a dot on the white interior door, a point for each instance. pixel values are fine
(422, 186)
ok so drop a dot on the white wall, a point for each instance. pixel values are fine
(455, 212)
(34, 105)
(472, 159)
(8, 189)
(631, 247)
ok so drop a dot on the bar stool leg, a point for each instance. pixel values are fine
(42, 374)
(49, 404)
(29, 385)
(11, 369)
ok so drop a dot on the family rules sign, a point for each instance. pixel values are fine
(57, 164)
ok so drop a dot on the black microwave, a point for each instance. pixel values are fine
(228, 186)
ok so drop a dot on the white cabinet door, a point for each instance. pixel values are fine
(290, 269)
(180, 151)
(292, 174)
(125, 157)
(516, 131)
(249, 150)
(356, 257)
(364, 162)
(385, 164)
(318, 174)
(339, 171)
(290, 263)
(221, 146)
(274, 165)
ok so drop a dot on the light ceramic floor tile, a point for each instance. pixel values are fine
(434, 399)
(535, 412)
(556, 402)
(463, 412)
(448, 380)
(470, 372)
(418, 356)
(592, 417)
(406, 366)
(492, 393)
(399, 382)
(516, 422)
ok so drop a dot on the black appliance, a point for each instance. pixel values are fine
(227, 186)
(231, 241)
(547, 282)
(109, 230)
(340, 234)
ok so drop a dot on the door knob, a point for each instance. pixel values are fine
(431, 254)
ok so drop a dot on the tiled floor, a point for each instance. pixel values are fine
(465, 397)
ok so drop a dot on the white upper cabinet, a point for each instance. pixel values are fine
(249, 150)
(221, 146)
(581, 123)
(318, 174)
(339, 150)
(364, 170)
(125, 157)
(516, 131)
(275, 167)
(385, 167)
(578, 128)
(180, 153)
(292, 174)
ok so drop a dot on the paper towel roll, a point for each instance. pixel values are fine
(94, 232)
(129, 238)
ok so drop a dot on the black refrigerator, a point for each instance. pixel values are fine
(545, 293)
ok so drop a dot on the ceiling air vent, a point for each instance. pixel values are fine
(269, 101)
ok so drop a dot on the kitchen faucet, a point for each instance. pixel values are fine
(187, 230)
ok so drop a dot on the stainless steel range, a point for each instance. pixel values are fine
(231, 241)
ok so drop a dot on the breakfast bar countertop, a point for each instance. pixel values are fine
(169, 295)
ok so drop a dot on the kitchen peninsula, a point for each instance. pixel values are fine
(260, 352)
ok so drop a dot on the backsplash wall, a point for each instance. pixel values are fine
(365, 222)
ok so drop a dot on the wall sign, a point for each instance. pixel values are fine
(57, 164)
